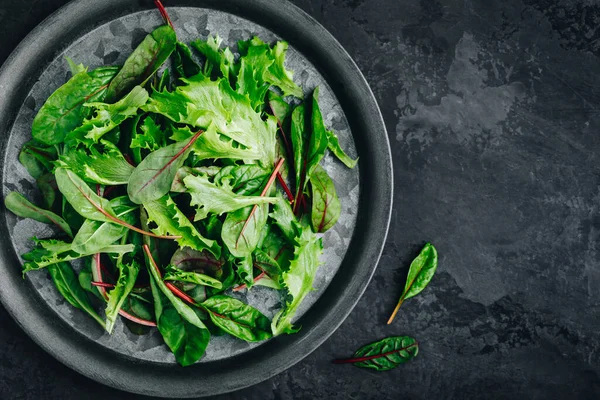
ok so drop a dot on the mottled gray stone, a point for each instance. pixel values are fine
(492, 111)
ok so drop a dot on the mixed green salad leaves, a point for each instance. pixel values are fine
(169, 187)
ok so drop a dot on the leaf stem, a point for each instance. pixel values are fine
(164, 13)
(244, 286)
(263, 193)
(396, 310)
(285, 187)
(374, 356)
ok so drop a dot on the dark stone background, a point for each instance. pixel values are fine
(492, 112)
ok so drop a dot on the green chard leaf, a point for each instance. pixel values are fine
(37, 158)
(420, 274)
(128, 273)
(268, 66)
(170, 220)
(185, 65)
(153, 177)
(242, 230)
(180, 327)
(95, 235)
(326, 206)
(270, 267)
(66, 282)
(238, 319)
(107, 117)
(20, 206)
(244, 179)
(385, 354)
(212, 198)
(64, 111)
(334, 146)
(299, 136)
(298, 280)
(201, 102)
(106, 166)
(145, 60)
(175, 274)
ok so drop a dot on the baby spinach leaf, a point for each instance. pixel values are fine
(64, 111)
(186, 340)
(170, 220)
(66, 282)
(145, 60)
(37, 158)
(19, 205)
(385, 354)
(175, 274)
(106, 166)
(334, 146)
(242, 228)
(419, 275)
(211, 198)
(152, 179)
(238, 319)
(298, 280)
(326, 206)
(184, 62)
(128, 273)
(107, 117)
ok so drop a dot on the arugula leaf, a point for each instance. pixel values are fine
(185, 65)
(238, 319)
(326, 207)
(268, 66)
(66, 282)
(334, 146)
(63, 111)
(152, 179)
(49, 251)
(145, 60)
(128, 273)
(384, 354)
(211, 198)
(175, 274)
(187, 340)
(216, 58)
(107, 167)
(107, 117)
(420, 273)
(298, 280)
(37, 158)
(20, 206)
(170, 220)
(201, 102)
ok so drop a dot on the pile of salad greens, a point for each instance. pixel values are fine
(174, 187)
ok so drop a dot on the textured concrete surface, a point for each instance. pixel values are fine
(492, 112)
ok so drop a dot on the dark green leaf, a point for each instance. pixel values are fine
(326, 206)
(145, 60)
(217, 59)
(20, 206)
(244, 179)
(185, 65)
(238, 319)
(64, 111)
(47, 185)
(299, 136)
(318, 142)
(419, 275)
(152, 179)
(37, 159)
(186, 340)
(385, 354)
(334, 147)
(68, 285)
